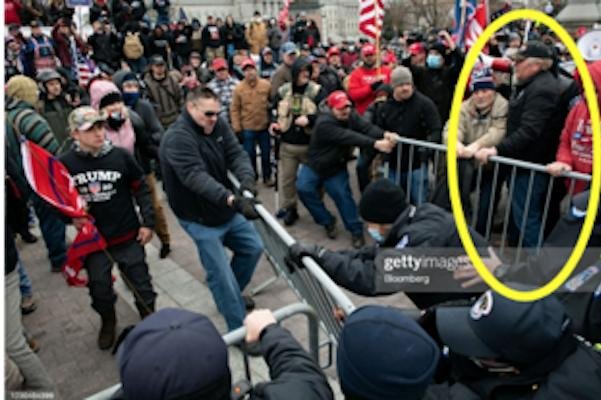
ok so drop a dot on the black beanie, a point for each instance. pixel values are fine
(109, 98)
(382, 202)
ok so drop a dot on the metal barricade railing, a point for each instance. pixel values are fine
(237, 336)
(527, 183)
(311, 284)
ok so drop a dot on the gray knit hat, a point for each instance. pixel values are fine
(400, 76)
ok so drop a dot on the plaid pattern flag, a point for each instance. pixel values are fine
(50, 179)
(371, 17)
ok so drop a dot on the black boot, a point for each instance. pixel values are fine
(291, 217)
(165, 250)
(145, 310)
(106, 337)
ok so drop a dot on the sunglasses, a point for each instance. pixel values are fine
(211, 114)
(222, 69)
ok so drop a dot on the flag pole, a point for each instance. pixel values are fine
(378, 35)
(462, 23)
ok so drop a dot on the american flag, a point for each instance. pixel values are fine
(476, 22)
(86, 69)
(371, 17)
(470, 20)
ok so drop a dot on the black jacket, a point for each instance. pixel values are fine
(332, 141)
(329, 80)
(572, 372)
(534, 121)
(423, 226)
(108, 183)
(439, 84)
(294, 374)
(195, 170)
(415, 118)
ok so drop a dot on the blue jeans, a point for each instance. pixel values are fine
(24, 281)
(137, 66)
(535, 210)
(249, 142)
(419, 183)
(308, 185)
(53, 231)
(227, 278)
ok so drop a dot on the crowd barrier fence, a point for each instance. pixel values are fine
(486, 186)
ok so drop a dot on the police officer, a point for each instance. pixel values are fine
(395, 224)
(504, 349)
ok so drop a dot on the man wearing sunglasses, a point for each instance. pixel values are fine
(196, 152)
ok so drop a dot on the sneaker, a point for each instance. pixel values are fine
(165, 250)
(331, 230)
(358, 241)
(249, 303)
(28, 305)
(291, 217)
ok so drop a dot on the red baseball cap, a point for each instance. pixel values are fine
(368, 50)
(249, 62)
(219, 63)
(333, 51)
(416, 48)
(338, 99)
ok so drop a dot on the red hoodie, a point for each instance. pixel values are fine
(359, 85)
(576, 143)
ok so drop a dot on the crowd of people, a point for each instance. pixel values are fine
(138, 102)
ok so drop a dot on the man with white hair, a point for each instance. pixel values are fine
(534, 125)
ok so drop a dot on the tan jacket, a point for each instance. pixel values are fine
(487, 131)
(250, 106)
(256, 36)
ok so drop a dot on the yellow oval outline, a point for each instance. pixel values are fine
(593, 204)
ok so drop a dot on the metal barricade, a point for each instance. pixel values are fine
(529, 189)
(237, 336)
(311, 284)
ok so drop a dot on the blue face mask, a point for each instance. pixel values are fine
(433, 61)
(130, 99)
(375, 235)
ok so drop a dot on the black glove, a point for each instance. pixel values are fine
(246, 206)
(249, 185)
(299, 250)
(375, 85)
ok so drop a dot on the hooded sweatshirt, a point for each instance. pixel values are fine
(125, 137)
(576, 142)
